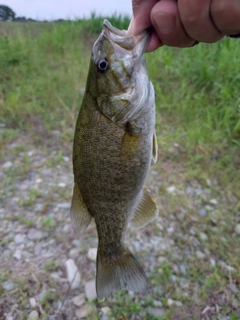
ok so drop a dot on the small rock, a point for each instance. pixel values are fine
(106, 312)
(237, 228)
(19, 238)
(82, 312)
(8, 285)
(67, 228)
(157, 303)
(90, 290)
(213, 262)
(170, 302)
(182, 269)
(156, 312)
(7, 165)
(233, 288)
(38, 249)
(171, 189)
(73, 274)
(34, 234)
(62, 185)
(64, 205)
(66, 159)
(213, 201)
(17, 254)
(202, 212)
(9, 317)
(32, 302)
(200, 254)
(79, 300)
(33, 315)
(73, 253)
(92, 254)
(203, 236)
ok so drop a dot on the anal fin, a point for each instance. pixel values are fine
(145, 212)
(79, 214)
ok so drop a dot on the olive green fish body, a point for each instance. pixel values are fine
(114, 145)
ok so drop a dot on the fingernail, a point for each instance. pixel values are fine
(130, 27)
(164, 22)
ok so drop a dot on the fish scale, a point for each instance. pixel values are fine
(114, 145)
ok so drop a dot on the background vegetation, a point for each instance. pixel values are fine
(44, 67)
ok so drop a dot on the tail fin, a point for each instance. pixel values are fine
(122, 272)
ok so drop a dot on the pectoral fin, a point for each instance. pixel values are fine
(145, 212)
(154, 148)
(79, 214)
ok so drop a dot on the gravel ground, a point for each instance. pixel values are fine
(190, 253)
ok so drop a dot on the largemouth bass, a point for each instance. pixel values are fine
(114, 145)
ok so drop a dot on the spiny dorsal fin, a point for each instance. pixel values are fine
(79, 214)
(145, 212)
(154, 148)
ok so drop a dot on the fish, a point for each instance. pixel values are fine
(113, 148)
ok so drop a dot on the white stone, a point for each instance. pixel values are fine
(237, 228)
(171, 189)
(7, 165)
(64, 205)
(203, 236)
(33, 315)
(19, 238)
(90, 290)
(200, 254)
(73, 274)
(82, 312)
(32, 302)
(92, 254)
(213, 201)
(17, 254)
(79, 300)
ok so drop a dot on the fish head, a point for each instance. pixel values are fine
(116, 64)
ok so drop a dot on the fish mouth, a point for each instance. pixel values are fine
(124, 40)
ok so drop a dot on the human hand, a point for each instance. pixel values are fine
(181, 23)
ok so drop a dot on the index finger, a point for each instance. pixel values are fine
(141, 16)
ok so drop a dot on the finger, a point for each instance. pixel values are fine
(166, 21)
(196, 19)
(141, 16)
(226, 16)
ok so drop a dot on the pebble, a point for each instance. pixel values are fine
(79, 300)
(7, 165)
(213, 201)
(106, 312)
(200, 254)
(171, 189)
(32, 302)
(33, 315)
(67, 228)
(82, 312)
(203, 236)
(202, 212)
(34, 234)
(90, 290)
(92, 254)
(8, 285)
(64, 205)
(74, 253)
(237, 229)
(19, 238)
(17, 254)
(73, 274)
(233, 288)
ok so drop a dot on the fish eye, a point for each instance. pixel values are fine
(102, 64)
